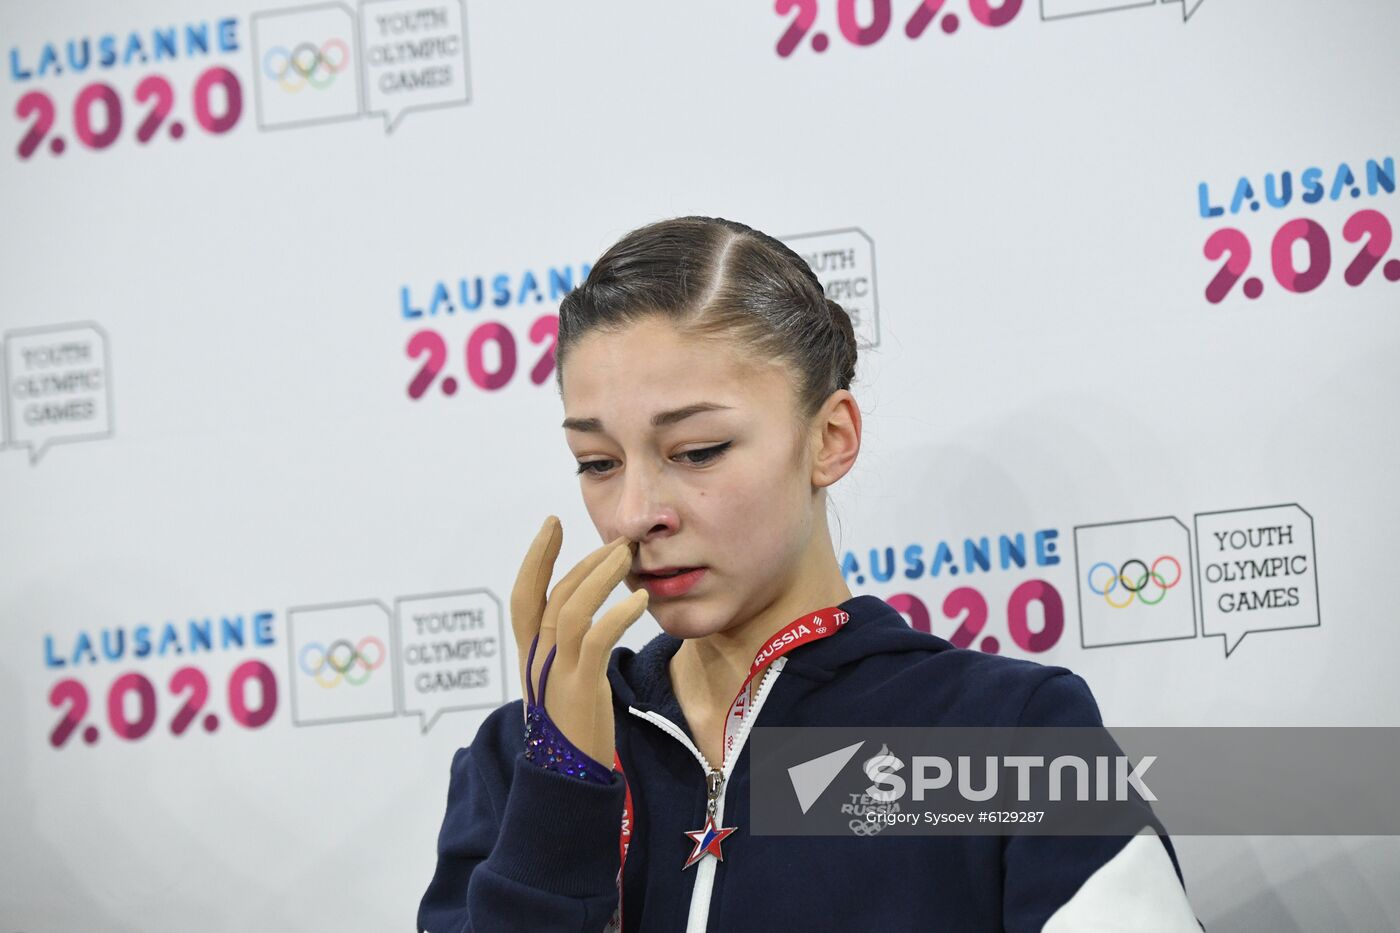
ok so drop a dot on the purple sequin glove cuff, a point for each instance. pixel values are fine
(545, 745)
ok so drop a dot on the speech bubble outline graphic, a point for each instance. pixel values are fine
(1143, 550)
(1239, 569)
(1068, 9)
(1188, 7)
(1064, 9)
(333, 665)
(845, 264)
(447, 644)
(306, 65)
(413, 56)
(32, 360)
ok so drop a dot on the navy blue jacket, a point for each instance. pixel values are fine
(522, 848)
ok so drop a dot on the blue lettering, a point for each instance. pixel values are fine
(83, 646)
(17, 72)
(561, 282)
(1208, 210)
(228, 37)
(1312, 186)
(500, 287)
(1377, 178)
(500, 291)
(849, 565)
(165, 43)
(1275, 199)
(197, 39)
(114, 654)
(882, 575)
(133, 49)
(1013, 550)
(107, 46)
(977, 553)
(73, 62)
(441, 296)
(914, 561)
(1045, 554)
(232, 632)
(469, 302)
(201, 633)
(528, 283)
(48, 59)
(1244, 191)
(942, 554)
(262, 629)
(1343, 179)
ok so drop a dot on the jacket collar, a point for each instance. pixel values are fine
(642, 678)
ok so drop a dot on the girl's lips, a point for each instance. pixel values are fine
(670, 587)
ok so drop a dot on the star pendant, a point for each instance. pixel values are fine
(707, 840)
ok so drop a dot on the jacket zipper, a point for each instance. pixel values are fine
(715, 787)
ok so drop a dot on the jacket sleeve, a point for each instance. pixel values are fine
(1089, 884)
(522, 847)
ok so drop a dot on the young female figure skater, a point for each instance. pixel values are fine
(705, 379)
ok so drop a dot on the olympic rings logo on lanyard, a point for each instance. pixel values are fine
(345, 666)
(1134, 585)
(306, 64)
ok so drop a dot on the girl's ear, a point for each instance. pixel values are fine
(835, 438)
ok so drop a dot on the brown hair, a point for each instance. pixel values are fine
(714, 277)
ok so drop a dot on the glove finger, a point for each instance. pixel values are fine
(527, 597)
(563, 591)
(600, 639)
(576, 617)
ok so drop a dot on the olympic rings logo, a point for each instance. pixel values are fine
(1134, 585)
(346, 665)
(864, 827)
(306, 64)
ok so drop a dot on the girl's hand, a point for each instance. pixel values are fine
(579, 698)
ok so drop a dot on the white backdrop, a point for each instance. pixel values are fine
(237, 237)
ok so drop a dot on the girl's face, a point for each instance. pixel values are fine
(696, 454)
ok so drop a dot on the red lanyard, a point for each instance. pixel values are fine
(808, 627)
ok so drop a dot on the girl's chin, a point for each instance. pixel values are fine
(685, 621)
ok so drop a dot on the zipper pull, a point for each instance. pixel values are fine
(713, 782)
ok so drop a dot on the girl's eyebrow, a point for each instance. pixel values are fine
(658, 420)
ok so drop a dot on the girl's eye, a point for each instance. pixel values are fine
(704, 454)
(594, 466)
(697, 457)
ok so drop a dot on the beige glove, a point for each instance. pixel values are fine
(578, 698)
